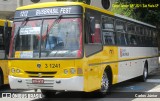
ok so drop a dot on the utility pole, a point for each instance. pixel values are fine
(19, 3)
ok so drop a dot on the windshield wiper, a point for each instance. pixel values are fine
(17, 33)
(48, 30)
(22, 24)
(56, 21)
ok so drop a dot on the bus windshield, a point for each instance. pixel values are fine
(42, 39)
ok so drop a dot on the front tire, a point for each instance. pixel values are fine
(105, 85)
(1, 80)
(48, 93)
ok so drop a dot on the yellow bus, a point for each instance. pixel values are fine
(4, 50)
(71, 46)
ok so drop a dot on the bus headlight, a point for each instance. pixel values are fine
(13, 70)
(65, 71)
(79, 71)
(18, 71)
(73, 71)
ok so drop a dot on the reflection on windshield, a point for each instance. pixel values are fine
(61, 40)
(27, 38)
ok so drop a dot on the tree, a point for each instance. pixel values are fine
(144, 10)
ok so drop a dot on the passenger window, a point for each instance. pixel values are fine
(146, 32)
(108, 23)
(109, 38)
(132, 40)
(155, 42)
(140, 40)
(1, 39)
(120, 27)
(121, 33)
(141, 31)
(108, 30)
(138, 30)
(96, 37)
(121, 39)
(131, 29)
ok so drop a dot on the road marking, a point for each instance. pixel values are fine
(153, 80)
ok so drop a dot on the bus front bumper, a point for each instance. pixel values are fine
(75, 83)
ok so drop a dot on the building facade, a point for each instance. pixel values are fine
(8, 7)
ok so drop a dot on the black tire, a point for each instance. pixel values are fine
(145, 73)
(105, 85)
(48, 93)
(1, 80)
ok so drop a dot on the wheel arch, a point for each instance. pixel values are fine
(108, 70)
(2, 75)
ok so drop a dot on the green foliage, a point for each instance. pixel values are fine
(146, 11)
(84, 1)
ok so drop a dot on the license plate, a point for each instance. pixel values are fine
(37, 81)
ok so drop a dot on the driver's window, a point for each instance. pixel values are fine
(96, 37)
(1, 39)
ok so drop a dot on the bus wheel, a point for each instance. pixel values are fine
(145, 73)
(48, 93)
(1, 79)
(105, 85)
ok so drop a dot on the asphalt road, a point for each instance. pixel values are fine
(131, 90)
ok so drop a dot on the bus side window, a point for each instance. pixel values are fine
(150, 38)
(133, 40)
(108, 30)
(138, 35)
(120, 33)
(132, 37)
(131, 28)
(109, 38)
(146, 33)
(155, 42)
(139, 40)
(121, 40)
(1, 39)
(96, 37)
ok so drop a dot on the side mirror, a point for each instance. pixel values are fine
(5, 27)
(5, 31)
(92, 25)
(6, 37)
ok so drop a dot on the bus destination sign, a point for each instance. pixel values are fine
(49, 11)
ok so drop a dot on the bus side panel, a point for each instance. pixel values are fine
(110, 58)
(82, 63)
(93, 72)
(152, 64)
(96, 67)
(133, 59)
(4, 67)
(130, 69)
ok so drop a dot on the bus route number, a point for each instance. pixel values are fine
(52, 65)
(24, 13)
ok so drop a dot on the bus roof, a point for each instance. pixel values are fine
(2, 21)
(51, 4)
(48, 4)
